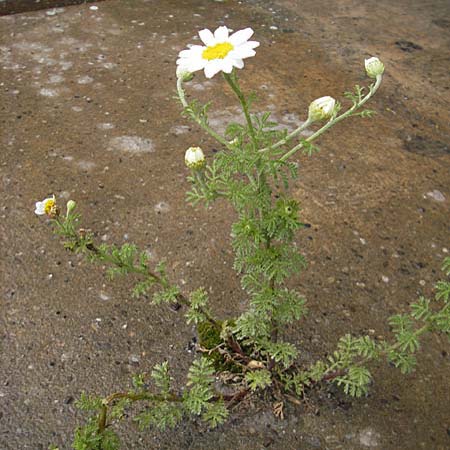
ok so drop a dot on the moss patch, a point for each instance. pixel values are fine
(209, 338)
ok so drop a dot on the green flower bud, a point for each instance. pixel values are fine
(184, 74)
(321, 108)
(71, 205)
(374, 67)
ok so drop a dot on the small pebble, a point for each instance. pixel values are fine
(161, 207)
(104, 296)
(385, 279)
(436, 195)
(369, 438)
(134, 359)
(93, 8)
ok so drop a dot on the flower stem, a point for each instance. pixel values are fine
(196, 118)
(232, 81)
(290, 136)
(373, 88)
(102, 255)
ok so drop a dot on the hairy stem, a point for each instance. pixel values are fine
(289, 137)
(232, 81)
(373, 88)
(196, 118)
(104, 256)
(106, 403)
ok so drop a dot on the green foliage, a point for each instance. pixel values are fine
(280, 352)
(167, 294)
(317, 371)
(443, 291)
(197, 111)
(446, 266)
(403, 328)
(89, 438)
(367, 347)
(215, 413)
(252, 172)
(161, 377)
(355, 382)
(118, 409)
(161, 415)
(357, 94)
(308, 148)
(402, 360)
(200, 380)
(201, 373)
(258, 379)
(198, 305)
(291, 306)
(298, 381)
(89, 402)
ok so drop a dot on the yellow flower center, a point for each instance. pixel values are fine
(48, 207)
(218, 51)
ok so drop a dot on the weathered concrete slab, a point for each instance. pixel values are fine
(21, 6)
(87, 112)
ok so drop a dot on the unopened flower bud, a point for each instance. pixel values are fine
(321, 108)
(184, 74)
(71, 205)
(374, 67)
(194, 158)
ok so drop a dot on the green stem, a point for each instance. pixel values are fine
(231, 80)
(335, 120)
(333, 367)
(103, 415)
(106, 257)
(196, 118)
(290, 136)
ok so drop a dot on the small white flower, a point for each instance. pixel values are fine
(47, 206)
(194, 158)
(321, 108)
(374, 67)
(221, 52)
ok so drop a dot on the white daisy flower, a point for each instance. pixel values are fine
(47, 206)
(221, 52)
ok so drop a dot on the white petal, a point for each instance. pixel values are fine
(40, 208)
(243, 52)
(185, 53)
(213, 67)
(227, 65)
(221, 34)
(194, 50)
(207, 37)
(241, 36)
(251, 44)
(195, 64)
(237, 62)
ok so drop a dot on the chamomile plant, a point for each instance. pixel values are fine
(252, 171)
